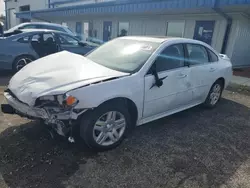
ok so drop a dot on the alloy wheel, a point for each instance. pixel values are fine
(22, 63)
(109, 128)
(215, 94)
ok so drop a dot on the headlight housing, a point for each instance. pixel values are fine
(64, 100)
(70, 100)
(47, 98)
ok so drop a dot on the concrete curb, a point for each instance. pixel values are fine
(240, 88)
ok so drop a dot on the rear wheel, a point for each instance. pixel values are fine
(21, 62)
(105, 127)
(214, 94)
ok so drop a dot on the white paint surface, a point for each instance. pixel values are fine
(56, 74)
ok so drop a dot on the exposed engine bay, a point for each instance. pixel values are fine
(55, 111)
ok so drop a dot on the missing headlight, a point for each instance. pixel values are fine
(47, 98)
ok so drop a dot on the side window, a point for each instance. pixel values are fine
(197, 54)
(29, 27)
(24, 39)
(57, 29)
(45, 37)
(67, 40)
(51, 28)
(213, 57)
(171, 57)
(48, 37)
(35, 38)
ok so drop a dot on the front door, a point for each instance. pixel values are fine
(204, 31)
(176, 91)
(107, 29)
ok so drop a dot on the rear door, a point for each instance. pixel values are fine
(203, 65)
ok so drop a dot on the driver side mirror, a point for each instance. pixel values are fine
(83, 44)
(153, 71)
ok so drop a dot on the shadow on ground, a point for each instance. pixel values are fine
(195, 148)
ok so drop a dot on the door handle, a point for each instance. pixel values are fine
(182, 76)
(212, 69)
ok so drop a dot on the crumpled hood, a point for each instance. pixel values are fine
(57, 74)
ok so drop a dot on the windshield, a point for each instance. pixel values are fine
(69, 31)
(123, 55)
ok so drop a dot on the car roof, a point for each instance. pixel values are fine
(42, 23)
(28, 32)
(162, 39)
(41, 31)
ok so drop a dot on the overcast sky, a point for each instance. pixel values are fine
(1, 7)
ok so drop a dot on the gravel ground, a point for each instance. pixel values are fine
(194, 148)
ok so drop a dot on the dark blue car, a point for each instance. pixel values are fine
(24, 46)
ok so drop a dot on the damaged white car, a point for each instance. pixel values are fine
(126, 82)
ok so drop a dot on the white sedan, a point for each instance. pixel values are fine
(124, 83)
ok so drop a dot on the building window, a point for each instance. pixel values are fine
(24, 8)
(175, 29)
(204, 30)
(123, 28)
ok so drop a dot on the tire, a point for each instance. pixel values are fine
(21, 61)
(91, 135)
(214, 94)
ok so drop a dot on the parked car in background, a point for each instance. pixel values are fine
(41, 25)
(18, 50)
(144, 79)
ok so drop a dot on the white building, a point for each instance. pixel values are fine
(225, 24)
(14, 6)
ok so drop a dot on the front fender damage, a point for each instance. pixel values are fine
(63, 122)
(58, 118)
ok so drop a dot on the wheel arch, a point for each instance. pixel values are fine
(222, 80)
(132, 107)
(22, 55)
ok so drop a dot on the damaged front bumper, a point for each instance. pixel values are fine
(61, 120)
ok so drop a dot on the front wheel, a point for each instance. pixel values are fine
(214, 94)
(105, 127)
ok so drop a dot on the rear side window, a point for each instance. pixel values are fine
(49, 27)
(58, 29)
(28, 27)
(24, 39)
(197, 54)
(212, 56)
